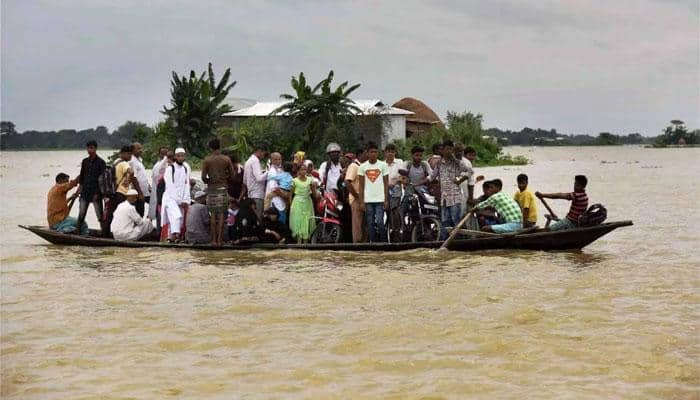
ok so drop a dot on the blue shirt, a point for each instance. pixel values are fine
(283, 179)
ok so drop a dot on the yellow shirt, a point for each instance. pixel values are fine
(123, 183)
(527, 200)
(352, 176)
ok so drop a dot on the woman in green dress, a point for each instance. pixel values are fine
(301, 214)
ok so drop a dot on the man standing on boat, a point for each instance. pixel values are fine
(177, 197)
(330, 169)
(217, 172)
(139, 171)
(127, 224)
(90, 170)
(418, 170)
(374, 193)
(352, 182)
(450, 172)
(255, 179)
(156, 172)
(467, 156)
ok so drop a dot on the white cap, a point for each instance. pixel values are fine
(132, 192)
(199, 194)
(332, 147)
(179, 150)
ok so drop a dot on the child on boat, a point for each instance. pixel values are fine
(526, 201)
(284, 184)
(231, 219)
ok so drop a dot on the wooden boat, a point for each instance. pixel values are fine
(535, 239)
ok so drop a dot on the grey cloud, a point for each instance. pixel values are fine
(618, 66)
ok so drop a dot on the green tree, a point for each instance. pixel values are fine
(7, 128)
(464, 127)
(253, 131)
(197, 103)
(319, 111)
(677, 133)
(162, 135)
(132, 131)
(607, 139)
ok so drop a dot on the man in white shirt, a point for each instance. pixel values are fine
(127, 224)
(177, 197)
(255, 179)
(466, 156)
(157, 170)
(394, 165)
(329, 170)
(141, 177)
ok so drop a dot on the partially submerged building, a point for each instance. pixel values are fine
(391, 121)
(378, 122)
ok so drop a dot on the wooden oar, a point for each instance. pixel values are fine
(493, 234)
(455, 231)
(477, 233)
(70, 204)
(554, 216)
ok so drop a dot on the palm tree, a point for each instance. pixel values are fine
(197, 103)
(315, 113)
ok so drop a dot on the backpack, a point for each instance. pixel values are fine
(107, 181)
(423, 165)
(595, 215)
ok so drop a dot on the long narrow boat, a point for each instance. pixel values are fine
(538, 239)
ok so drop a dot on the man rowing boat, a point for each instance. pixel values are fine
(57, 209)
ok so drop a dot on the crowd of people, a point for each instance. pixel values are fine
(269, 200)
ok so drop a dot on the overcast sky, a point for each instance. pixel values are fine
(577, 66)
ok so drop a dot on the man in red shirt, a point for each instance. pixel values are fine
(579, 204)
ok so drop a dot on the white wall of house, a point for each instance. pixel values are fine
(394, 128)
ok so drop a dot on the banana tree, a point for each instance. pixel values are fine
(197, 103)
(315, 110)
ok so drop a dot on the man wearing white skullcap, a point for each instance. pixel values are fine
(177, 197)
(127, 224)
(198, 221)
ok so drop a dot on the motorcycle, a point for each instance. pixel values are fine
(415, 218)
(329, 229)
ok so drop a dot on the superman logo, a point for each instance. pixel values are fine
(373, 174)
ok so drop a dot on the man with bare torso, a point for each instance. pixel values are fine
(217, 172)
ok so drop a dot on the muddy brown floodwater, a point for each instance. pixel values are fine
(616, 320)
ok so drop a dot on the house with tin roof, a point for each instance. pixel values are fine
(392, 119)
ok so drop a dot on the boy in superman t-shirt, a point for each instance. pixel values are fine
(374, 193)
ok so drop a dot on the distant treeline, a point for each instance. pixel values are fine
(542, 137)
(10, 139)
(132, 131)
(674, 134)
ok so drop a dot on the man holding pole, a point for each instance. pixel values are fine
(579, 204)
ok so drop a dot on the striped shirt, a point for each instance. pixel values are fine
(505, 206)
(579, 204)
(447, 170)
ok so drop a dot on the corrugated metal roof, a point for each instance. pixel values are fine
(239, 103)
(371, 106)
